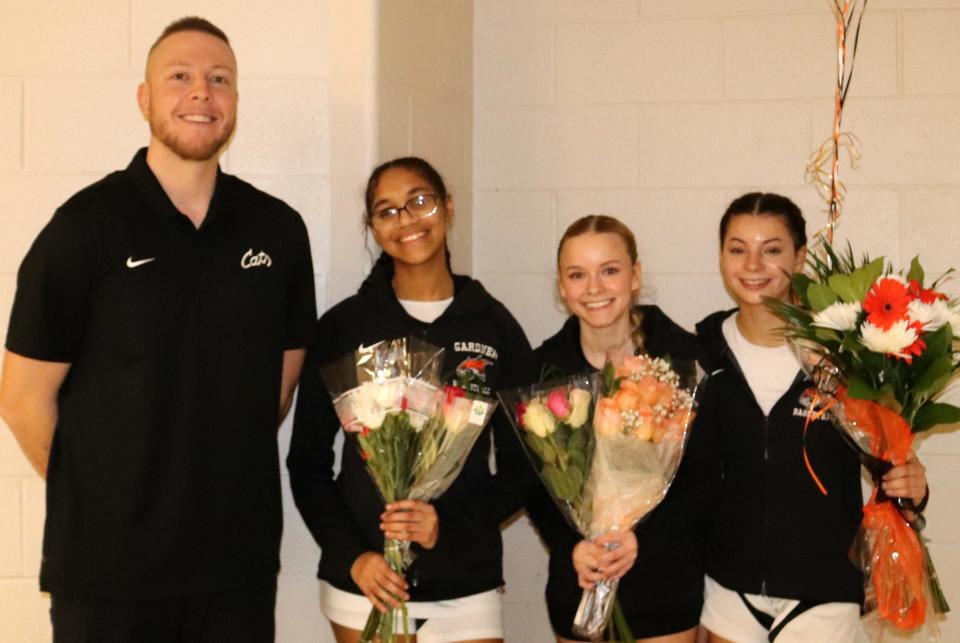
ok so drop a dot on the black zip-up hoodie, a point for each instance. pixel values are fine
(663, 591)
(343, 513)
(769, 528)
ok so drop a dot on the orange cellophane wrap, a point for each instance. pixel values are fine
(896, 561)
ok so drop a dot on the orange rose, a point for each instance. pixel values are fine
(654, 392)
(607, 418)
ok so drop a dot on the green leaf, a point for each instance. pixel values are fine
(565, 485)
(864, 277)
(860, 389)
(933, 413)
(820, 296)
(845, 287)
(801, 282)
(916, 271)
(939, 343)
(934, 378)
(541, 448)
(607, 376)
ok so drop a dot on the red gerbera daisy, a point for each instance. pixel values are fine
(917, 347)
(886, 303)
(925, 295)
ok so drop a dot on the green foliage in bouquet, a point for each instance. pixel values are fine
(888, 338)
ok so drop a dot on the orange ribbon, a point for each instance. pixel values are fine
(814, 414)
(896, 555)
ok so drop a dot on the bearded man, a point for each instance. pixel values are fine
(149, 361)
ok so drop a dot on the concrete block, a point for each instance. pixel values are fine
(638, 62)
(489, 12)
(947, 560)
(515, 231)
(568, 147)
(675, 229)
(100, 130)
(24, 612)
(310, 196)
(348, 256)
(905, 140)
(526, 621)
(943, 477)
(299, 553)
(8, 285)
(12, 461)
(352, 126)
(870, 221)
(721, 144)
(298, 611)
(440, 132)
(931, 52)
(27, 202)
(283, 128)
(339, 288)
(722, 8)
(440, 64)
(48, 36)
(34, 515)
(532, 300)
(353, 43)
(930, 228)
(525, 561)
(460, 237)
(685, 298)
(393, 138)
(11, 101)
(945, 439)
(293, 39)
(507, 12)
(514, 65)
(11, 534)
(913, 4)
(793, 56)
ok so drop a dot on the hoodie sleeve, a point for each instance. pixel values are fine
(311, 458)
(507, 491)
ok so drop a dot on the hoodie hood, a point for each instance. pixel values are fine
(469, 295)
(713, 346)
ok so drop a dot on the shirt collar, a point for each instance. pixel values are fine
(157, 199)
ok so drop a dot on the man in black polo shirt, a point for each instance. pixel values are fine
(154, 345)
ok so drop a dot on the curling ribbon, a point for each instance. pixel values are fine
(813, 414)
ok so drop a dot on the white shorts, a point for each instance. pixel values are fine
(725, 615)
(478, 616)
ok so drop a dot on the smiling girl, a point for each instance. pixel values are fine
(453, 586)
(659, 563)
(778, 565)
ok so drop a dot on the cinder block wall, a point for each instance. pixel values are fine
(661, 113)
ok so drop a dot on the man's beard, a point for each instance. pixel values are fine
(190, 150)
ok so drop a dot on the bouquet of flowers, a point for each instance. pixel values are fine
(606, 447)
(413, 434)
(880, 347)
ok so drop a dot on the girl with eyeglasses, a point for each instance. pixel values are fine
(453, 588)
(659, 563)
(777, 548)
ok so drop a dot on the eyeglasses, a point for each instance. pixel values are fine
(419, 207)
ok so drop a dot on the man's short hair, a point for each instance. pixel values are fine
(191, 23)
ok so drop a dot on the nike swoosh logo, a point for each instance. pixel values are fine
(131, 263)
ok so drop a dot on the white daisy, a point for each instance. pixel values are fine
(892, 341)
(932, 316)
(838, 316)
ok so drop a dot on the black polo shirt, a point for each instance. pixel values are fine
(163, 477)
